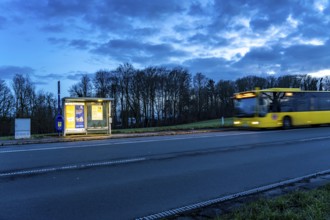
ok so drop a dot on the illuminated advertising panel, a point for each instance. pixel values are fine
(79, 116)
(97, 112)
(69, 116)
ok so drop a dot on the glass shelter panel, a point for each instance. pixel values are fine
(97, 115)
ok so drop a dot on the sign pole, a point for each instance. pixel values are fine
(59, 119)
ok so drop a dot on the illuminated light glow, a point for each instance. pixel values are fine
(237, 122)
(255, 122)
(289, 94)
(321, 73)
(245, 95)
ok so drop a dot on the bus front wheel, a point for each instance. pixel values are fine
(287, 124)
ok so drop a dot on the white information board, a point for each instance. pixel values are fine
(22, 128)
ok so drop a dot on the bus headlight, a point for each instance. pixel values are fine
(255, 122)
(237, 122)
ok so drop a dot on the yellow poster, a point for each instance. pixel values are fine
(97, 112)
(70, 116)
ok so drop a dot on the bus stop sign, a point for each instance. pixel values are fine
(59, 123)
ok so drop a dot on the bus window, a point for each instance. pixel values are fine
(245, 107)
(263, 106)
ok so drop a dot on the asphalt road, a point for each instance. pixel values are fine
(137, 177)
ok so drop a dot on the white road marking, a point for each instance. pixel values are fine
(70, 167)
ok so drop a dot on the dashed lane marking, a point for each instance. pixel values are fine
(69, 167)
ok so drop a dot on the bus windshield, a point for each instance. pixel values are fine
(245, 107)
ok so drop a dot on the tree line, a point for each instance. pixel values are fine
(154, 96)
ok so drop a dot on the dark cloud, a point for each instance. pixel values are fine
(80, 44)
(297, 59)
(55, 28)
(260, 24)
(308, 57)
(57, 41)
(160, 32)
(143, 9)
(50, 77)
(214, 68)
(76, 76)
(8, 72)
(52, 9)
(134, 51)
(196, 9)
(208, 40)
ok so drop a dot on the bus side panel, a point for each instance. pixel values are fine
(302, 118)
(321, 117)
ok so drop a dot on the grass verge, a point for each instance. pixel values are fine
(210, 124)
(314, 204)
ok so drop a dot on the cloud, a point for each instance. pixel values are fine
(76, 75)
(134, 51)
(214, 68)
(296, 59)
(223, 39)
(53, 28)
(58, 41)
(80, 44)
(8, 72)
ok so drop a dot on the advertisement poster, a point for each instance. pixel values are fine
(80, 116)
(69, 116)
(97, 112)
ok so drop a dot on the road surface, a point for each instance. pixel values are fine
(137, 177)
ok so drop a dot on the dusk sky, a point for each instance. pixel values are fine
(62, 39)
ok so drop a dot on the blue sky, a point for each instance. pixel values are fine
(62, 39)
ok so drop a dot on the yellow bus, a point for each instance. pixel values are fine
(281, 107)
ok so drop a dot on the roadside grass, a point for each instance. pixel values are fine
(313, 204)
(210, 124)
(6, 138)
(33, 136)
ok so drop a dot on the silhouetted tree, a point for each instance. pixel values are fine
(6, 100)
(102, 84)
(24, 92)
(83, 88)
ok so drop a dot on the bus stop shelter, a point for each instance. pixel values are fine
(87, 115)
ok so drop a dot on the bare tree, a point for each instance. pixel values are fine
(44, 112)
(326, 83)
(288, 81)
(250, 83)
(199, 94)
(102, 83)
(125, 74)
(6, 100)
(24, 92)
(83, 88)
(225, 90)
(308, 82)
